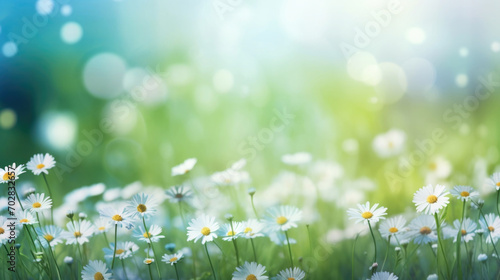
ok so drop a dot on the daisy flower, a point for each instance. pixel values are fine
(142, 205)
(41, 163)
(154, 233)
(184, 167)
(464, 193)
(4, 229)
(366, 214)
(11, 172)
(230, 177)
(494, 181)
(148, 261)
(25, 217)
(95, 270)
(101, 225)
(392, 226)
(297, 158)
(439, 168)
(482, 257)
(203, 227)
(431, 199)
(423, 229)
(468, 230)
(49, 235)
(36, 203)
(172, 259)
(123, 250)
(384, 275)
(491, 227)
(229, 233)
(289, 273)
(79, 232)
(252, 229)
(250, 271)
(282, 218)
(390, 143)
(115, 217)
(178, 193)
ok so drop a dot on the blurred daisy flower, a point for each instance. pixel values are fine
(172, 259)
(464, 193)
(282, 218)
(297, 158)
(491, 227)
(230, 177)
(430, 200)
(366, 214)
(4, 229)
(250, 271)
(78, 232)
(392, 226)
(389, 144)
(184, 167)
(36, 203)
(178, 193)
(11, 172)
(482, 257)
(203, 227)
(439, 168)
(115, 217)
(102, 225)
(291, 273)
(467, 231)
(142, 205)
(123, 250)
(26, 218)
(154, 233)
(229, 233)
(252, 228)
(494, 181)
(423, 229)
(96, 270)
(383, 275)
(148, 261)
(49, 235)
(40, 163)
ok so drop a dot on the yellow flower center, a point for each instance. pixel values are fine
(147, 235)
(8, 175)
(173, 259)
(40, 166)
(432, 166)
(251, 277)
(149, 261)
(492, 229)
(230, 233)
(98, 276)
(291, 278)
(77, 234)
(393, 230)
(22, 221)
(2, 231)
(464, 232)
(247, 230)
(464, 194)
(141, 208)
(119, 251)
(425, 230)
(48, 237)
(281, 220)
(179, 195)
(432, 199)
(117, 218)
(367, 215)
(37, 205)
(102, 228)
(205, 231)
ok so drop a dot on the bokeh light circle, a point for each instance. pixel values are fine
(44, 7)
(461, 80)
(71, 32)
(103, 75)
(415, 35)
(393, 83)
(57, 130)
(8, 118)
(145, 86)
(66, 10)
(9, 49)
(223, 81)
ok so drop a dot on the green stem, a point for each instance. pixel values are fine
(374, 245)
(124, 270)
(20, 202)
(352, 256)
(235, 246)
(55, 262)
(210, 261)
(386, 252)
(105, 238)
(114, 250)
(289, 248)
(253, 248)
(182, 214)
(498, 198)
(152, 247)
(50, 194)
(440, 245)
(459, 244)
(150, 274)
(176, 272)
(253, 206)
